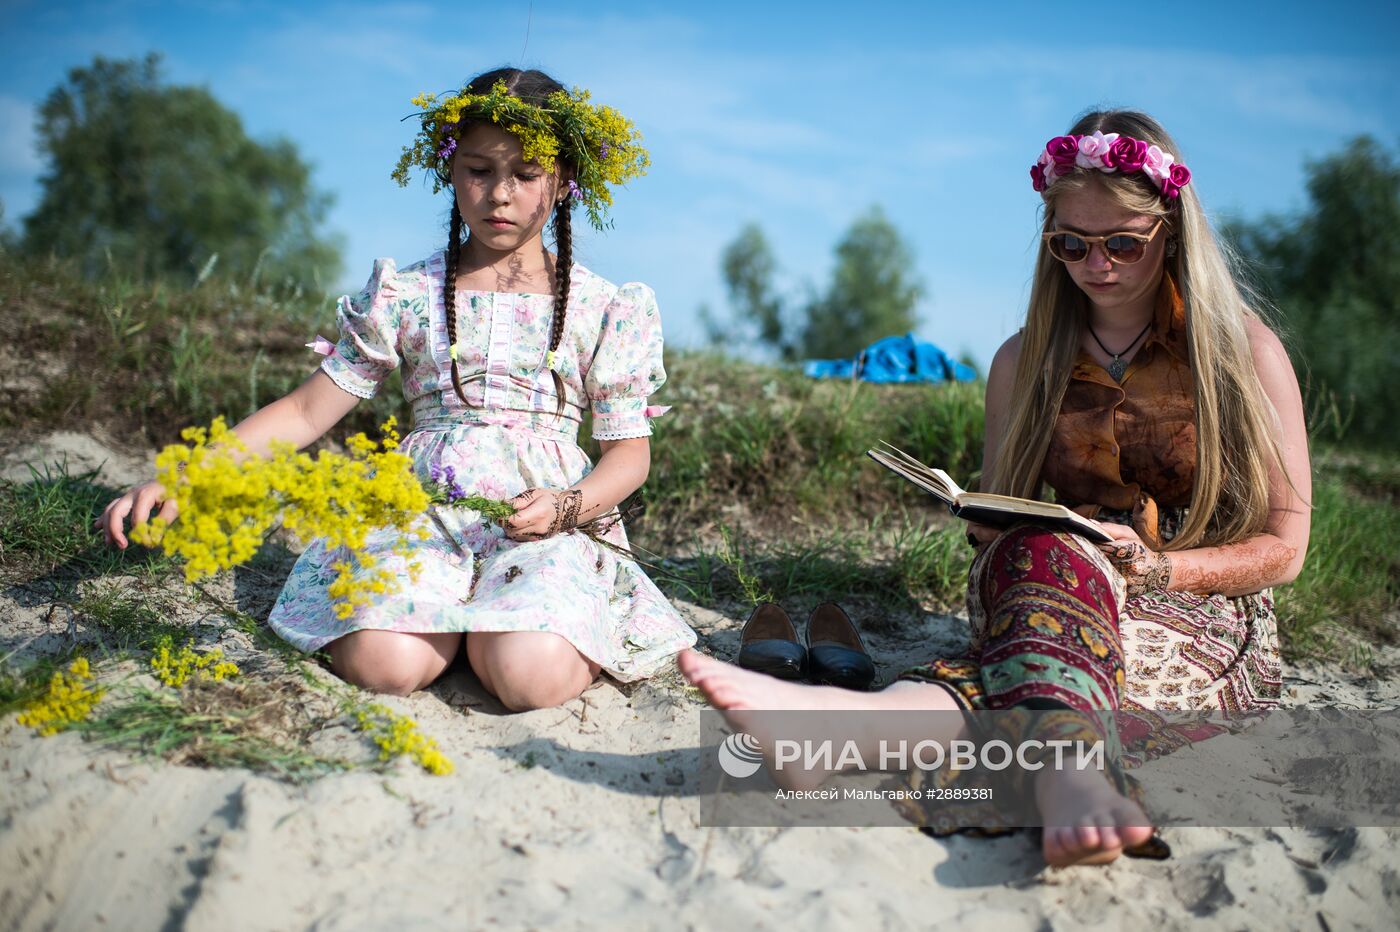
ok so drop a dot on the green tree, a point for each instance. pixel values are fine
(7, 236)
(872, 294)
(154, 179)
(873, 291)
(1334, 272)
(748, 267)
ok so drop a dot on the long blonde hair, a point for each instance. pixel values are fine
(1235, 423)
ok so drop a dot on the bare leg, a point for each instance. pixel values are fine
(741, 696)
(529, 669)
(394, 662)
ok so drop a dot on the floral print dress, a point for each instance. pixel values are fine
(471, 577)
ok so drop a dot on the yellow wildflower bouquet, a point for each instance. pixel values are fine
(229, 500)
(601, 145)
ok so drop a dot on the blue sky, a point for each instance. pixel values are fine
(798, 116)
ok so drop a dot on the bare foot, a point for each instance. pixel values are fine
(744, 697)
(734, 689)
(1086, 820)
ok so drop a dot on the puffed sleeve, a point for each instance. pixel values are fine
(627, 366)
(368, 349)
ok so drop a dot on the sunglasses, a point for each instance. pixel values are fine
(1122, 248)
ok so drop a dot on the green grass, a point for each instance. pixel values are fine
(147, 359)
(46, 526)
(786, 446)
(914, 569)
(131, 620)
(1348, 593)
(218, 724)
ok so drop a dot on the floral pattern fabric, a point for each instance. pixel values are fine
(471, 577)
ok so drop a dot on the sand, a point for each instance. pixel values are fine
(583, 816)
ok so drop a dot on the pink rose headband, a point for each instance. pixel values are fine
(1110, 153)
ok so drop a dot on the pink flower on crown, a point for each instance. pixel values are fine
(1109, 152)
(1093, 148)
(1063, 150)
(1155, 163)
(1126, 154)
(1178, 177)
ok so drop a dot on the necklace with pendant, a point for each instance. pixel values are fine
(1117, 367)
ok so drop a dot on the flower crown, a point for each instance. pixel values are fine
(601, 145)
(1110, 153)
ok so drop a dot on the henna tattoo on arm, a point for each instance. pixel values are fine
(1232, 569)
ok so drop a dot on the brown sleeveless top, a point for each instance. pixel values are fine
(1130, 446)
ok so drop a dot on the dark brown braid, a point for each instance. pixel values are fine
(449, 291)
(563, 263)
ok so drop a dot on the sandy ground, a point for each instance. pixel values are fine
(583, 816)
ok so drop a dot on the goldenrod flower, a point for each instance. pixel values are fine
(174, 668)
(69, 699)
(399, 735)
(228, 501)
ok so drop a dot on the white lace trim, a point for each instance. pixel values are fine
(342, 375)
(622, 432)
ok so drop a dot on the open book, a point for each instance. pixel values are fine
(983, 507)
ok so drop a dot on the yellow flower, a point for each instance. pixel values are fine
(174, 668)
(228, 500)
(601, 145)
(397, 735)
(68, 700)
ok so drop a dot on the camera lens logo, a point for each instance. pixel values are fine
(740, 756)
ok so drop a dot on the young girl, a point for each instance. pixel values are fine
(503, 347)
(1149, 395)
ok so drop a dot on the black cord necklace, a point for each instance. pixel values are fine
(1118, 366)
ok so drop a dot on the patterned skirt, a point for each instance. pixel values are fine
(1053, 630)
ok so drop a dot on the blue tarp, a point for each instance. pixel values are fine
(894, 359)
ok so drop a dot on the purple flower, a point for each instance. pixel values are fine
(603, 150)
(435, 473)
(449, 146)
(449, 475)
(455, 492)
(574, 190)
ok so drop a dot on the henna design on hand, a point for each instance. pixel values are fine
(566, 509)
(1145, 570)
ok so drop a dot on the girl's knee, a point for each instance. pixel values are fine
(389, 662)
(530, 670)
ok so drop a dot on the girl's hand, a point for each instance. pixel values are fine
(1145, 569)
(541, 513)
(980, 535)
(138, 504)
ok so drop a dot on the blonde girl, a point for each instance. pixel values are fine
(1145, 390)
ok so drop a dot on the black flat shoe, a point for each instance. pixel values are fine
(769, 644)
(835, 654)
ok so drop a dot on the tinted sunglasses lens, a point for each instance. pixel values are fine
(1068, 248)
(1125, 248)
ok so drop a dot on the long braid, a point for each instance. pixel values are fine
(563, 263)
(449, 292)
